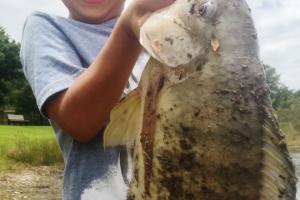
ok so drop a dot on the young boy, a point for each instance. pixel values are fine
(78, 69)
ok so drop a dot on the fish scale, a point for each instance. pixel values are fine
(204, 129)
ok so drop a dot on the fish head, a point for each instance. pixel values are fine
(188, 29)
(179, 33)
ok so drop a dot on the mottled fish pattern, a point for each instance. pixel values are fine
(200, 123)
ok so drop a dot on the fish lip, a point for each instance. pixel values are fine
(150, 48)
(181, 24)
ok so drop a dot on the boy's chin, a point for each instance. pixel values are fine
(94, 19)
(97, 17)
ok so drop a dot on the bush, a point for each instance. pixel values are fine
(289, 118)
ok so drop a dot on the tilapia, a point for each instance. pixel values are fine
(201, 121)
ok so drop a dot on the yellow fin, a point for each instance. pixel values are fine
(125, 121)
(215, 44)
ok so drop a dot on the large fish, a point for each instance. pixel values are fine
(201, 118)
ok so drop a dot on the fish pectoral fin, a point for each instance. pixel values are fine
(125, 121)
(215, 44)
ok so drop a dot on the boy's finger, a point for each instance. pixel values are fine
(153, 5)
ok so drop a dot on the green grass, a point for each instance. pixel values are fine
(36, 145)
(28, 145)
(292, 136)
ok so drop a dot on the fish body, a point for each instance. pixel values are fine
(204, 129)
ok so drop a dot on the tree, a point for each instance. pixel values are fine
(282, 98)
(273, 80)
(280, 94)
(28, 105)
(15, 91)
(10, 66)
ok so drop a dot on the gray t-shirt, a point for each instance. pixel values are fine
(54, 51)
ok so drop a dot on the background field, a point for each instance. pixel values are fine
(22, 146)
(28, 145)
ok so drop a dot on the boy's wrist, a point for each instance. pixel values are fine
(124, 29)
(131, 21)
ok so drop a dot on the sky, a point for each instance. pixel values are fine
(277, 23)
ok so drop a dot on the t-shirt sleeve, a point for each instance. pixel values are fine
(49, 60)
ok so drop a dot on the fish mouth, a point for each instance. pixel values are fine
(150, 47)
(155, 45)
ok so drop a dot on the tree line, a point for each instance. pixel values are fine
(15, 92)
(285, 101)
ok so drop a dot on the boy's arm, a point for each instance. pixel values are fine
(83, 109)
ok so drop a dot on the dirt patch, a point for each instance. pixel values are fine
(32, 183)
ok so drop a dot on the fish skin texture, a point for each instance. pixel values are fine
(209, 131)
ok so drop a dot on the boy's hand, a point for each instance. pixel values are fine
(138, 11)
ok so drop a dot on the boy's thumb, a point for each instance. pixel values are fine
(158, 4)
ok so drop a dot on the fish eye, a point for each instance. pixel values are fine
(208, 9)
(202, 9)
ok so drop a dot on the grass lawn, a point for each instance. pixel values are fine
(8, 134)
(33, 145)
(292, 136)
(37, 145)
